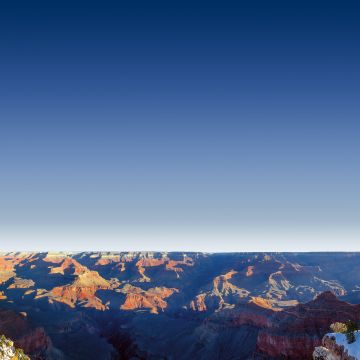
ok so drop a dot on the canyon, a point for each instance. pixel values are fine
(154, 305)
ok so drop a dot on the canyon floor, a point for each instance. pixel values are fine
(152, 305)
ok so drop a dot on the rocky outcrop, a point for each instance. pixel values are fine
(70, 266)
(223, 293)
(331, 285)
(152, 299)
(264, 303)
(81, 292)
(294, 333)
(250, 271)
(9, 352)
(244, 314)
(55, 257)
(336, 347)
(170, 265)
(177, 265)
(286, 346)
(198, 304)
(107, 259)
(20, 283)
(33, 341)
(9, 261)
(322, 353)
(279, 286)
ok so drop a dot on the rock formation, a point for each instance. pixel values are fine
(223, 293)
(81, 291)
(152, 299)
(294, 333)
(33, 341)
(9, 352)
(336, 347)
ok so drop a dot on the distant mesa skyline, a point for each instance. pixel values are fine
(180, 126)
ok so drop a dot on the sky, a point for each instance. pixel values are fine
(180, 125)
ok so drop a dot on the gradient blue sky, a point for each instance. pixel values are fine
(176, 125)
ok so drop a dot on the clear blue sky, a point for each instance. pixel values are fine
(177, 125)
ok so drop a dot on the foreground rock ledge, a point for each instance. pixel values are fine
(335, 347)
(9, 352)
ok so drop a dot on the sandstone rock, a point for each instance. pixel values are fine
(223, 294)
(81, 291)
(20, 283)
(152, 299)
(70, 265)
(294, 333)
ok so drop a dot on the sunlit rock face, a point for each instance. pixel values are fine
(152, 299)
(133, 304)
(9, 261)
